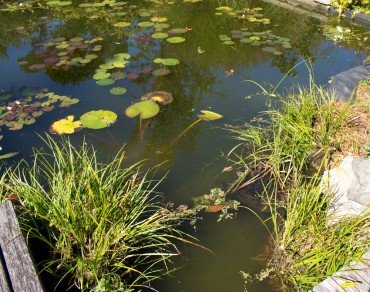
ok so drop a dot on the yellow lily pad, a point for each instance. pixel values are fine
(66, 126)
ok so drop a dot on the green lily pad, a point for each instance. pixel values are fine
(66, 126)
(118, 90)
(178, 30)
(228, 43)
(176, 40)
(101, 75)
(146, 109)
(105, 82)
(145, 24)
(161, 25)
(167, 61)
(159, 35)
(98, 119)
(158, 19)
(161, 72)
(209, 116)
(62, 46)
(122, 24)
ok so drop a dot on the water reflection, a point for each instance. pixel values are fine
(199, 82)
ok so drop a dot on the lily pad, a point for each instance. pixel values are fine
(146, 109)
(159, 35)
(105, 82)
(178, 30)
(176, 40)
(122, 24)
(118, 90)
(269, 49)
(158, 19)
(101, 75)
(145, 24)
(66, 126)
(167, 61)
(98, 119)
(209, 116)
(161, 72)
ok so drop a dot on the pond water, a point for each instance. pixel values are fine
(51, 53)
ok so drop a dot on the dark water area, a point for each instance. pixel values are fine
(46, 47)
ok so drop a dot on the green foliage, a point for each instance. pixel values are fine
(289, 142)
(105, 227)
(343, 5)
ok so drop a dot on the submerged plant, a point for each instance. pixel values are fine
(105, 226)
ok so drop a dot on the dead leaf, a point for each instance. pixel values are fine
(215, 208)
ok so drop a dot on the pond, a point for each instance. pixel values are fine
(59, 59)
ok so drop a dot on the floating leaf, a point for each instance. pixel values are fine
(145, 24)
(161, 72)
(159, 35)
(105, 82)
(122, 24)
(178, 30)
(161, 25)
(101, 75)
(209, 116)
(175, 40)
(146, 109)
(167, 61)
(158, 19)
(118, 75)
(66, 126)
(118, 90)
(98, 119)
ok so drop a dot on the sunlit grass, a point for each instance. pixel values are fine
(287, 150)
(102, 221)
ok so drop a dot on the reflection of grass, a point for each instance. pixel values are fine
(105, 227)
(281, 152)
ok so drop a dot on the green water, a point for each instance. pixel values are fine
(202, 81)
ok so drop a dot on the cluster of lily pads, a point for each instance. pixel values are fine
(25, 106)
(251, 15)
(266, 39)
(59, 52)
(97, 119)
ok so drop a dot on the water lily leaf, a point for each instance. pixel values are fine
(146, 109)
(122, 24)
(228, 43)
(66, 101)
(105, 82)
(98, 119)
(101, 75)
(161, 72)
(178, 30)
(62, 45)
(161, 25)
(145, 24)
(160, 97)
(118, 90)
(175, 40)
(167, 61)
(209, 116)
(66, 126)
(118, 75)
(158, 19)
(122, 56)
(159, 35)
(245, 40)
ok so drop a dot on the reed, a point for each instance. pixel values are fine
(103, 222)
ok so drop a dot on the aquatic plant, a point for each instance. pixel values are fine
(286, 153)
(103, 222)
(205, 116)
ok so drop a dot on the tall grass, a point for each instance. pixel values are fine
(103, 222)
(288, 151)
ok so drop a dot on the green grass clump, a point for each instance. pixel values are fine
(287, 152)
(102, 221)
